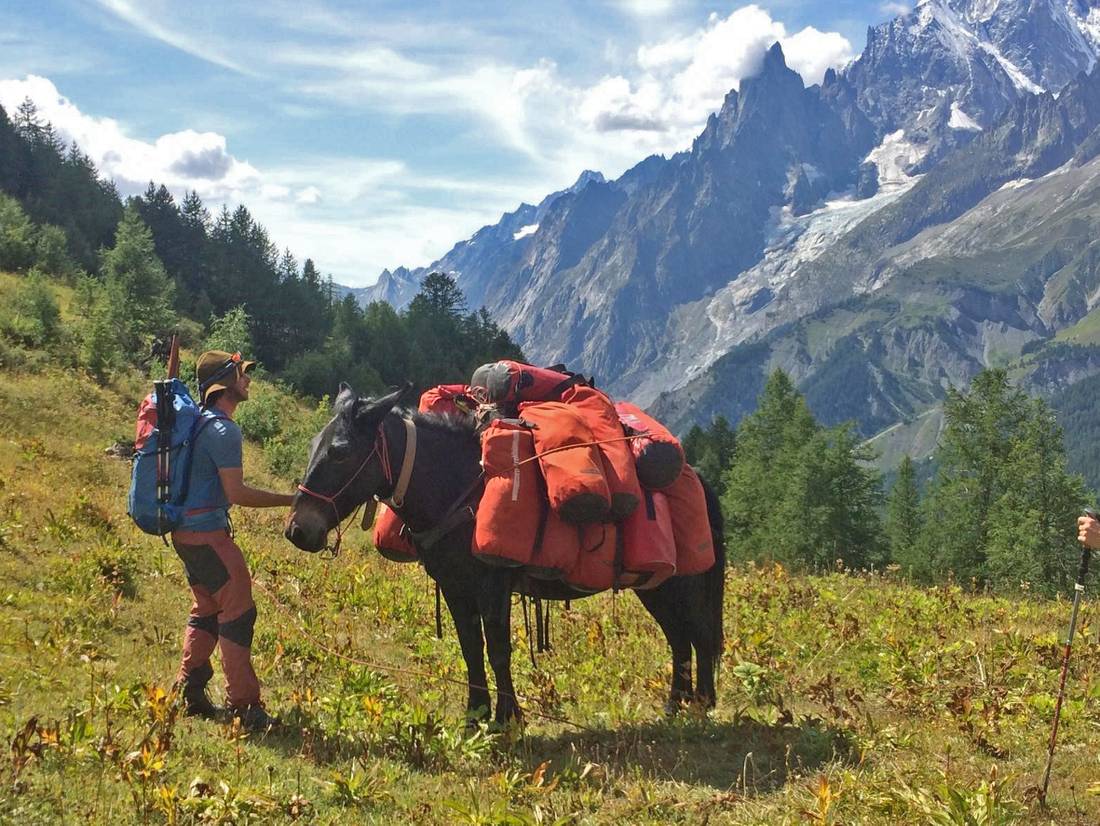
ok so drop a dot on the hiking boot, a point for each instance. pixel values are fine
(196, 703)
(254, 718)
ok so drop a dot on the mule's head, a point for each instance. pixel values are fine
(345, 467)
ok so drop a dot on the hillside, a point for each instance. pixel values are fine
(843, 698)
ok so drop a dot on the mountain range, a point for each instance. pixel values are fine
(927, 211)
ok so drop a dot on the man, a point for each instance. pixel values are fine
(223, 612)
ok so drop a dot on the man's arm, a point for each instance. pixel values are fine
(238, 493)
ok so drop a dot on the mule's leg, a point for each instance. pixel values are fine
(496, 614)
(705, 657)
(463, 608)
(661, 604)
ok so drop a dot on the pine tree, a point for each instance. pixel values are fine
(797, 493)
(141, 290)
(1001, 509)
(903, 517)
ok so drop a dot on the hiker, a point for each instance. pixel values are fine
(223, 612)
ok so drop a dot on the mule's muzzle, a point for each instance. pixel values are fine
(306, 537)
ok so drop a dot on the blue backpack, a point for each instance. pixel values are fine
(169, 422)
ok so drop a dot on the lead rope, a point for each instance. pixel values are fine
(438, 614)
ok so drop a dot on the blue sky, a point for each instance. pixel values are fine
(374, 134)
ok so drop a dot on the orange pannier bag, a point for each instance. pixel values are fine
(556, 547)
(649, 547)
(659, 457)
(618, 458)
(594, 569)
(690, 525)
(444, 398)
(508, 516)
(571, 465)
(390, 538)
(514, 382)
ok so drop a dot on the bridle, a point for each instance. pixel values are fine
(381, 449)
(458, 513)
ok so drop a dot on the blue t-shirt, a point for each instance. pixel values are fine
(218, 446)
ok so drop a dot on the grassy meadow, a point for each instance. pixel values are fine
(843, 698)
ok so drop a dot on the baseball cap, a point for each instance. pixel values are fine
(218, 369)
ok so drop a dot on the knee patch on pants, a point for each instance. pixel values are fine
(239, 630)
(209, 624)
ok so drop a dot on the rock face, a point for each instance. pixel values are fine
(918, 216)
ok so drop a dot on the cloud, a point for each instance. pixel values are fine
(130, 13)
(212, 163)
(180, 160)
(646, 8)
(894, 9)
(681, 80)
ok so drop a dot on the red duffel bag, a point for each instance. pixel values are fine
(649, 546)
(622, 479)
(571, 465)
(690, 525)
(514, 382)
(658, 456)
(508, 516)
(594, 569)
(446, 398)
(390, 538)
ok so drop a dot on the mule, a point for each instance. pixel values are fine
(361, 453)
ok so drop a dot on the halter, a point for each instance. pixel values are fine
(382, 451)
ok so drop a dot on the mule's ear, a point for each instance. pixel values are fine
(343, 396)
(369, 413)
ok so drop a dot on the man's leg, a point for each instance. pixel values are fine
(236, 620)
(201, 633)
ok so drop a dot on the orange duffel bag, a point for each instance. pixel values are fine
(658, 457)
(556, 546)
(649, 546)
(594, 569)
(508, 516)
(622, 479)
(690, 525)
(571, 465)
(446, 398)
(512, 382)
(390, 538)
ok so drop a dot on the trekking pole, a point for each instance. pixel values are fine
(174, 357)
(1078, 590)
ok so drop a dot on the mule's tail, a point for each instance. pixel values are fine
(714, 580)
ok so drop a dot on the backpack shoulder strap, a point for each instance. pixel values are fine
(197, 428)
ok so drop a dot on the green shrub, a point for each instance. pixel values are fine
(230, 332)
(51, 251)
(261, 418)
(288, 452)
(16, 235)
(34, 318)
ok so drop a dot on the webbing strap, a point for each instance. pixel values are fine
(397, 499)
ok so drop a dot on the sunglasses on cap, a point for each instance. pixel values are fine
(231, 363)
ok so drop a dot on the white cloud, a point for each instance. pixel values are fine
(150, 26)
(180, 160)
(895, 9)
(646, 8)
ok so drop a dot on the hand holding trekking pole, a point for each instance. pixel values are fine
(1088, 534)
